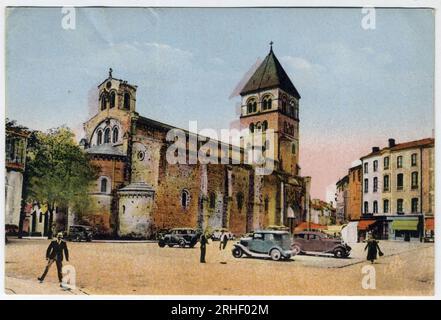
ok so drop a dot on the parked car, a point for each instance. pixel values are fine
(180, 236)
(265, 244)
(218, 232)
(313, 241)
(80, 233)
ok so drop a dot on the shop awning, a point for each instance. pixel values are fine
(430, 224)
(410, 225)
(364, 224)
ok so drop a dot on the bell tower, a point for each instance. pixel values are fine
(116, 94)
(270, 101)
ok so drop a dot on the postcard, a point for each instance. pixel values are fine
(219, 151)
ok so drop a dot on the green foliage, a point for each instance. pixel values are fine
(58, 170)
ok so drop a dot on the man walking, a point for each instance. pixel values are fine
(222, 245)
(204, 242)
(54, 253)
(223, 240)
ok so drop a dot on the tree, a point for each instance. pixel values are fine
(59, 172)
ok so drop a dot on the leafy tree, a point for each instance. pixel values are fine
(58, 172)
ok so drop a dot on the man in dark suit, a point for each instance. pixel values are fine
(204, 241)
(54, 253)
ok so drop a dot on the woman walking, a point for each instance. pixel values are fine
(372, 248)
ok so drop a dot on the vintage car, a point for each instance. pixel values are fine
(314, 241)
(79, 233)
(180, 236)
(265, 244)
(216, 234)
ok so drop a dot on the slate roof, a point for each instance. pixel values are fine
(137, 187)
(105, 149)
(270, 74)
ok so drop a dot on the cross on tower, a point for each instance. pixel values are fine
(110, 72)
(271, 45)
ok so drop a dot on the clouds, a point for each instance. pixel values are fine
(356, 85)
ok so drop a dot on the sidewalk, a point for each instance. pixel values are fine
(33, 287)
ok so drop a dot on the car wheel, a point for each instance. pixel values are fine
(339, 253)
(237, 252)
(275, 254)
(296, 249)
(161, 244)
(182, 243)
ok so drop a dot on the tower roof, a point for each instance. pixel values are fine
(270, 74)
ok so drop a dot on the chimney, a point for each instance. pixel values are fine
(391, 143)
(375, 149)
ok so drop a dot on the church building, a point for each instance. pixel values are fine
(138, 192)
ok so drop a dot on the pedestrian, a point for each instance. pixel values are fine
(204, 241)
(372, 249)
(54, 253)
(223, 240)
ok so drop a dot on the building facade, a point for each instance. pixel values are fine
(139, 191)
(354, 193)
(16, 142)
(398, 188)
(342, 200)
(322, 213)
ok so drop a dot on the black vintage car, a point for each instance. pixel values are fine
(182, 237)
(80, 233)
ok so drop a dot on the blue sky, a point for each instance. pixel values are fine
(358, 87)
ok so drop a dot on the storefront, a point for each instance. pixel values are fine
(363, 227)
(406, 228)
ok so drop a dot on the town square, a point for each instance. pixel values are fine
(279, 163)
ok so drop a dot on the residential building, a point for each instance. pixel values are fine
(16, 143)
(398, 188)
(342, 198)
(354, 193)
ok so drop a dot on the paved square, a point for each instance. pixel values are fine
(144, 268)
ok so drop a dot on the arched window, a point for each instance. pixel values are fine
(254, 106)
(107, 135)
(264, 125)
(103, 185)
(212, 200)
(103, 101)
(375, 207)
(250, 107)
(99, 137)
(284, 104)
(115, 135)
(266, 103)
(251, 127)
(258, 126)
(127, 100)
(112, 99)
(185, 199)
